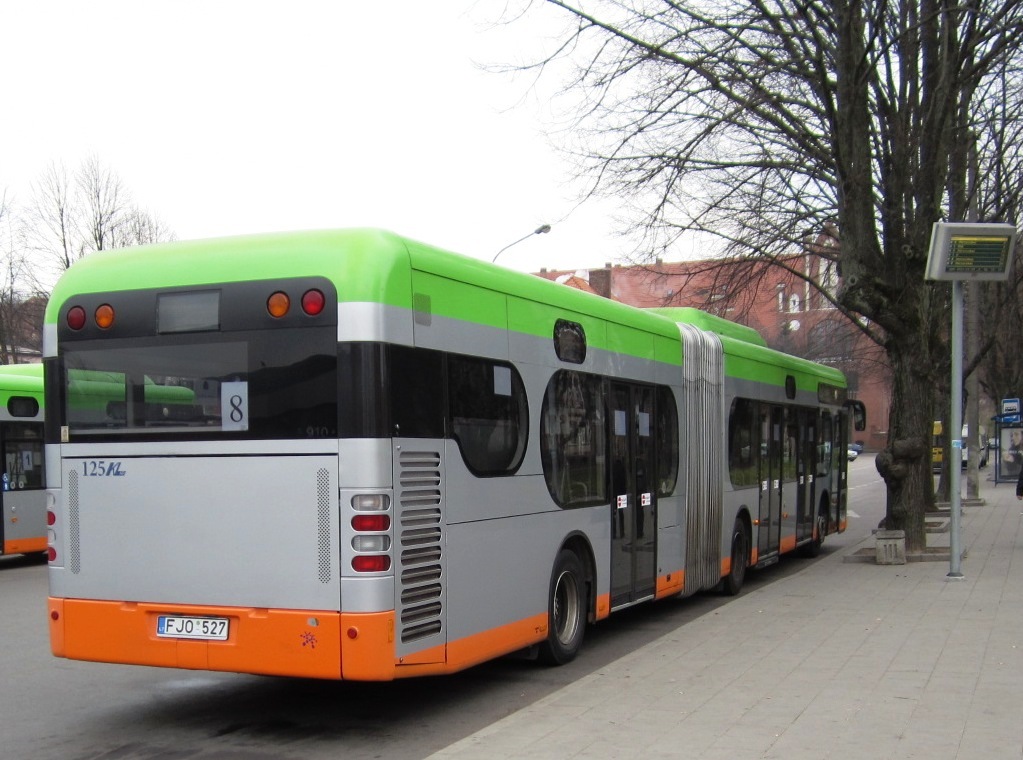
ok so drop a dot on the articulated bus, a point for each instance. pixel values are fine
(397, 461)
(22, 482)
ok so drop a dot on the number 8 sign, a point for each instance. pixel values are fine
(234, 406)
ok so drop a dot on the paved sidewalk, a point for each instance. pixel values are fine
(840, 660)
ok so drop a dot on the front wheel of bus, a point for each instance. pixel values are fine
(732, 583)
(566, 611)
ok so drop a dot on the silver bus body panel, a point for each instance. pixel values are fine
(364, 464)
(366, 321)
(249, 531)
(368, 594)
(24, 515)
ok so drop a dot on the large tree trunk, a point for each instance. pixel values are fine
(905, 464)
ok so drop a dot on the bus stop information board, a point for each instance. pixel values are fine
(961, 251)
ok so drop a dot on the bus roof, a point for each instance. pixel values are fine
(376, 266)
(21, 380)
(366, 265)
(26, 377)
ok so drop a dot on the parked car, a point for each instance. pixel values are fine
(852, 452)
(858, 445)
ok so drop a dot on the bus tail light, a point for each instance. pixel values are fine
(313, 302)
(370, 502)
(104, 316)
(278, 304)
(375, 542)
(371, 563)
(371, 522)
(51, 522)
(76, 318)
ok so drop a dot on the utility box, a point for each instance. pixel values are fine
(891, 547)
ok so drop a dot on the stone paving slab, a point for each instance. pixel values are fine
(843, 660)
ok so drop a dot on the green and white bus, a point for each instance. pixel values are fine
(395, 461)
(22, 482)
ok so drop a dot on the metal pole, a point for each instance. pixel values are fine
(974, 441)
(543, 229)
(956, 430)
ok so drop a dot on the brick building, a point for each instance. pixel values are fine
(777, 301)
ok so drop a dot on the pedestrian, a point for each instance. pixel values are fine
(1019, 486)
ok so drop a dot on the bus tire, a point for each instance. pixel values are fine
(820, 528)
(566, 610)
(732, 583)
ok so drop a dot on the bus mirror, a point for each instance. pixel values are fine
(858, 412)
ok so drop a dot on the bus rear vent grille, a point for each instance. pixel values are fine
(420, 542)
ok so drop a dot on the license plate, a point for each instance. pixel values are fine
(182, 627)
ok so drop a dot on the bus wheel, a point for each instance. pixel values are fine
(566, 611)
(732, 583)
(813, 549)
(820, 530)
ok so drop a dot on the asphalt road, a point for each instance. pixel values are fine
(54, 709)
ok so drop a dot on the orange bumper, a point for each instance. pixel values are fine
(301, 643)
(271, 642)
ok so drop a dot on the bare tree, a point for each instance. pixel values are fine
(140, 227)
(103, 204)
(50, 223)
(70, 216)
(757, 120)
(20, 312)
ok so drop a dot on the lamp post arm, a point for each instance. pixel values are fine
(541, 230)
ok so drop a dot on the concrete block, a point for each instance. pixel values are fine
(891, 547)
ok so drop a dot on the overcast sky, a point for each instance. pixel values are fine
(231, 117)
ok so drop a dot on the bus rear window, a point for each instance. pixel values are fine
(260, 384)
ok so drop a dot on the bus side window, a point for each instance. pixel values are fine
(489, 416)
(824, 436)
(573, 439)
(23, 457)
(743, 443)
(667, 441)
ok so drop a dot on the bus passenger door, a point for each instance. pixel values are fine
(806, 467)
(633, 494)
(772, 420)
(841, 466)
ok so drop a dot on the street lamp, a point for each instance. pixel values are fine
(541, 230)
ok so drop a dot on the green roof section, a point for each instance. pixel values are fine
(747, 355)
(21, 380)
(499, 284)
(34, 372)
(365, 264)
(712, 323)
